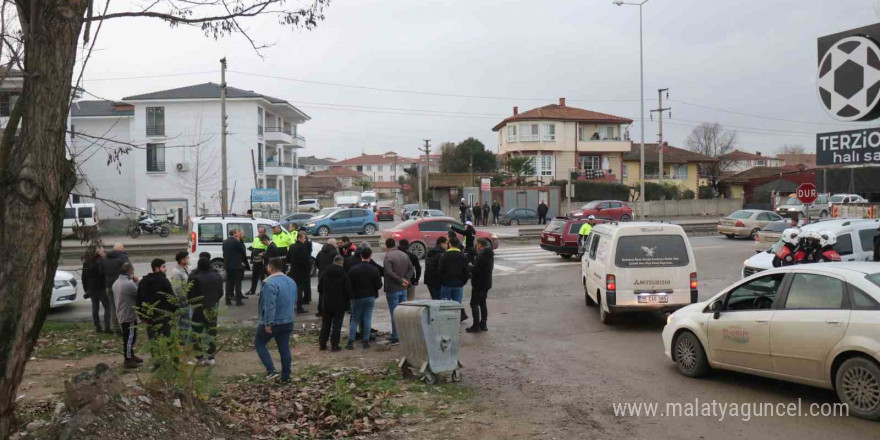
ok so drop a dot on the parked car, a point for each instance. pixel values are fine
(208, 232)
(561, 236)
(64, 289)
(814, 324)
(79, 214)
(385, 213)
(324, 212)
(770, 234)
(745, 222)
(425, 213)
(308, 205)
(638, 267)
(608, 209)
(792, 207)
(519, 216)
(407, 209)
(357, 220)
(423, 233)
(855, 242)
(845, 199)
(295, 218)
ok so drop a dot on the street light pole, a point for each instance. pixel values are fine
(642, 100)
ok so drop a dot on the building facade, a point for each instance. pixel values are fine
(737, 161)
(173, 142)
(386, 167)
(680, 167)
(566, 142)
(312, 164)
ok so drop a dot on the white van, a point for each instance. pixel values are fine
(78, 214)
(638, 267)
(208, 232)
(855, 242)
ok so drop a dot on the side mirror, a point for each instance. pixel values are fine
(716, 307)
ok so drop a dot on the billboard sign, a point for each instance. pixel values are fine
(266, 203)
(485, 184)
(852, 147)
(848, 79)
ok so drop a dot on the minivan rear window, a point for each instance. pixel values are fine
(554, 226)
(651, 251)
(210, 233)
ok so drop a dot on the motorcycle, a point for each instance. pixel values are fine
(147, 224)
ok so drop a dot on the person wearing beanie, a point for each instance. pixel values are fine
(154, 300)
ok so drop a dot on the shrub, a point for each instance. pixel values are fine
(587, 191)
(706, 192)
(688, 195)
(656, 191)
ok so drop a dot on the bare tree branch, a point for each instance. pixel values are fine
(711, 139)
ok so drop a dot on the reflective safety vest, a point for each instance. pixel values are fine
(291, 237)
(586, 228)
(280, 240)
(257, 244)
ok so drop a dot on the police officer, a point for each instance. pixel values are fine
(279, 237)
(291, 234)
(259, 270)
(586, 228)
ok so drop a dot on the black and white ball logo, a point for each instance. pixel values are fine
(849, 79)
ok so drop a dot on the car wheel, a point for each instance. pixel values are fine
(370, 229)
(218, 266)
(417, 249)
(625, 218)
(312, 210)
(823, 214)
(514, 223)
(858, 386)
(587, 299)
(323, 231)
(689, 355)
(730, 235)
(566, 256)
(753, 233)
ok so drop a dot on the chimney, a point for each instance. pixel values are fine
(758, 153)
(515, 110)
(562, 102)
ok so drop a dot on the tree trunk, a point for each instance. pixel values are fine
(35, 179)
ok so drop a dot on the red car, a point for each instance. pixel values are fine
(561, 236)
(606, 209)
(423, 233)
(385, 213)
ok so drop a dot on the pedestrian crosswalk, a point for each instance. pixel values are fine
(510, 260)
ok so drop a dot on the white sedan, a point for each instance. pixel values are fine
(815, 324)
(64, 290)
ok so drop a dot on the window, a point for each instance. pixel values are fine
(591, 162)
(210, 233)
(580, 133)
(866, 236)
(651, 251)
(84, 212)
(756, 294)
(763, 216)
(549, 132)
(574, 228)
(760, 163)
(155, 121)
(609, 132)
(529, 132)
(69, 213)
(155, 158)
(260, 156)
(259, 121)
(546, 165)
(439, 226)
(623, 173)
(246, 228)
(860, 300)
(679, 171)
(652, 171)
(379, 167)
(368, 168)
(341, 215)
(844, 244)
(594, 245)
(511, 133)
(810, 291)
(7, 102)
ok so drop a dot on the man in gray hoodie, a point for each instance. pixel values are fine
(111, 266)
(125, 292)
(399, 271)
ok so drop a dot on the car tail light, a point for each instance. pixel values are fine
(192, 242)
(610, 284)
(694, 283)
(740, 224)
(397, 236)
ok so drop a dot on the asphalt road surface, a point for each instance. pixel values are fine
(549, 369)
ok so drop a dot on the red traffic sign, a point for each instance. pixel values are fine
(806, 193)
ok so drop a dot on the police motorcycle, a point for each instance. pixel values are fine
(817, 247)
(785, 256)
(149, 224)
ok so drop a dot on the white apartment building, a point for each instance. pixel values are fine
(386, 167)
(174, 138)
(563, 139)
(737, 161)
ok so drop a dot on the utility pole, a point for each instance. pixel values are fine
(659, 110)
(419, 178)
(427, 151)
(224, 197)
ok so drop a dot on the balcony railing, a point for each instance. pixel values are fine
(279, 164)
(277, 130)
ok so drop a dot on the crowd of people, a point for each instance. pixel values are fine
(478, 214)
(349, 282)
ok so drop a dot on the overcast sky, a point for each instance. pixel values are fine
(748, 56)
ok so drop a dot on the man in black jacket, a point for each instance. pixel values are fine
(111, 266)
(272, 250)
(463, 209)
(156, 301)
(206, 289)
(334, 289)
(95, 289)
(542, 213)
(235, 263)
(432, 267)
(496, 212)
(453, 272)
(299, 259)
(365, 284)
(468, 234)
(481, 282)
(403, 245)
(324, 261)
(356, 259)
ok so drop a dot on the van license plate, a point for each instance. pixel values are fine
(653, 299)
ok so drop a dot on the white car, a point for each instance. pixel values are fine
(638, 267)
(308, 205)
(815, 324)
(855, 242)
(845, 199)
(64, 290)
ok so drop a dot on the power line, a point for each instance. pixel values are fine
(752, 115)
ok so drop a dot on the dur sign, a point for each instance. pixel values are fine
(852, 147)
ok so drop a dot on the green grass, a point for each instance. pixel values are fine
(74, 340)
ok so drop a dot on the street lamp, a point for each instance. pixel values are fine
(642, 99)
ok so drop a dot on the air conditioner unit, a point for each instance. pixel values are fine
(182, 167)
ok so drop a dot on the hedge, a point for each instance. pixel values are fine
(588, 191)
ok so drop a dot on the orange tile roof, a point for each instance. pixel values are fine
(338, 172)
(556, 112)
(384, 185)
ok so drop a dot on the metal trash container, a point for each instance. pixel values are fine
(428, 332)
